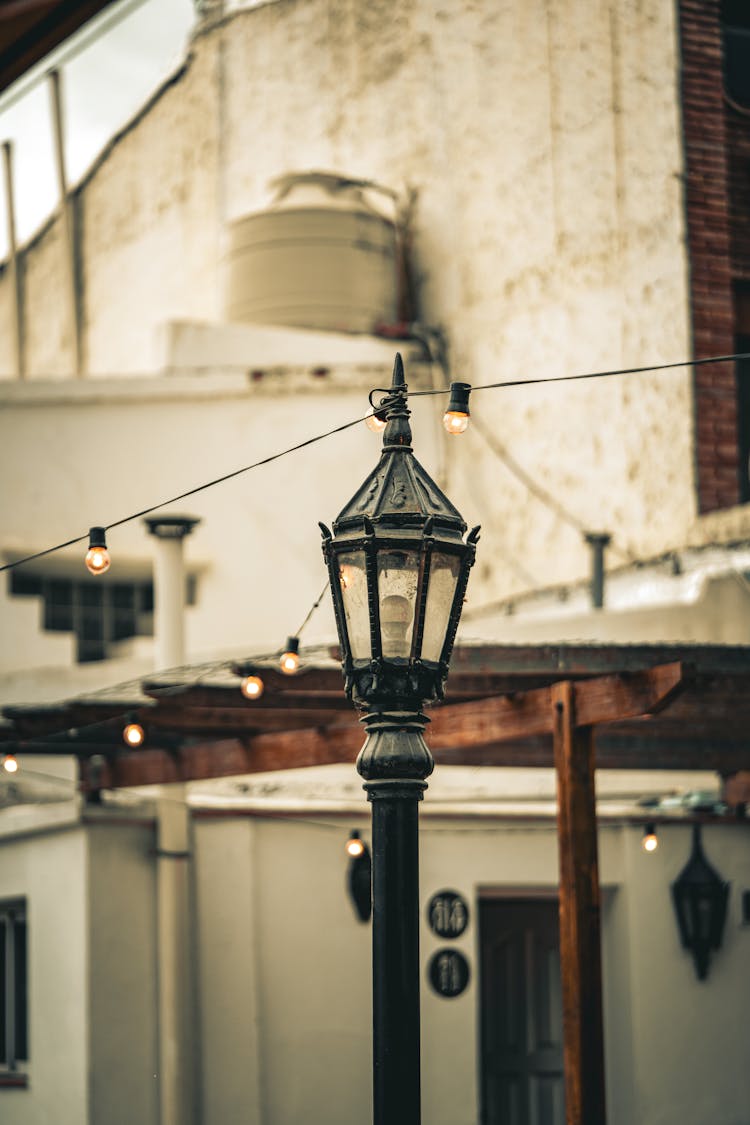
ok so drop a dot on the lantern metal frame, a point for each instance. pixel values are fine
(398, 508)
(699, 891)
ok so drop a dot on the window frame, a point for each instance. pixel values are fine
(14, 1009)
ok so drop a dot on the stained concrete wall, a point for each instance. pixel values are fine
(543, 143)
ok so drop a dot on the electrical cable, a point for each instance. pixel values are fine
(538, 490)
(596, 374)
(190, 492)
(312, 609)
(355, 422)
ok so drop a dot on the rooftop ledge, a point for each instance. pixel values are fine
(197, 360)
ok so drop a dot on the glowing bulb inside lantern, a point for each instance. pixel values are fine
(454, 422)
(354, 846)
(252, 687)
(395, 618)
(376, 421)
(347, 576)
(133, 735)
(10, 765)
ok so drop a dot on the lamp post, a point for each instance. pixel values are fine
(399, 566)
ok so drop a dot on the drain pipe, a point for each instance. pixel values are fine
(598, 541)
(169, 587)
(176, 996)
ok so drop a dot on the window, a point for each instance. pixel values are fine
(735, 21)
(742, 346)
(99, 613)
(14, 1014)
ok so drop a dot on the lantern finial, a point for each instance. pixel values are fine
(397, 433)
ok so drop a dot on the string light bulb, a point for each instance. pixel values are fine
(10, 764)
(133, 735)
(650, 841)
(97, 556)
(456, 417)
(289, 661)
(376, 421)
(252, 687)
(354, 845)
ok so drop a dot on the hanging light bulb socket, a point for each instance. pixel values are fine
(97, 557)
(377, 419)
(359, 876)
(650, 841)
(252, 687)
(289, 660)
(456, 417)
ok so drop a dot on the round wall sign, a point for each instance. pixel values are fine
(448, 972)
(448, 914)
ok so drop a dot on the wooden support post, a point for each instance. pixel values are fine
(580, 945)
(14, 273)
(67, 222)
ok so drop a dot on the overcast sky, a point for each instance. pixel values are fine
(103, 85)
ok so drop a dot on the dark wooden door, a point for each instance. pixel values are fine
(522, 1052)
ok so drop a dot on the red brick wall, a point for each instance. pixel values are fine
(711, 221)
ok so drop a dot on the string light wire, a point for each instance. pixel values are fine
(538, 490)
(356, 422)
(190, 492)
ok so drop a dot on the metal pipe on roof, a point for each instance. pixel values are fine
(67, 222)
(14, 273)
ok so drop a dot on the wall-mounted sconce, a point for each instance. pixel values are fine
(359, 875)
(700, 900)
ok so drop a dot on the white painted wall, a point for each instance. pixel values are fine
(283, 970)
(689, 1036)
(275, 921)
(116, 447)
(49, 871)
(123, 1062)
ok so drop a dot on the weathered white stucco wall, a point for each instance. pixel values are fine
(543, 143)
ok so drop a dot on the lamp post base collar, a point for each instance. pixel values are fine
(395, 749)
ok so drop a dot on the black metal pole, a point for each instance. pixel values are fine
(395, 761)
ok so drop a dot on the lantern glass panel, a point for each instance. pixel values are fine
(443, 579)
(398, 572)
(353, 579)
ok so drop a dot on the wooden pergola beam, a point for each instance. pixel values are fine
(580, 940)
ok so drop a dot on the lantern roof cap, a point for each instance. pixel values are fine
(399, 494)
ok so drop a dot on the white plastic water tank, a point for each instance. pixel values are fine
(322, 255)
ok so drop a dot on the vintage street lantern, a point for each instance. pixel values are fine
(700, 901)
(399, 565)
